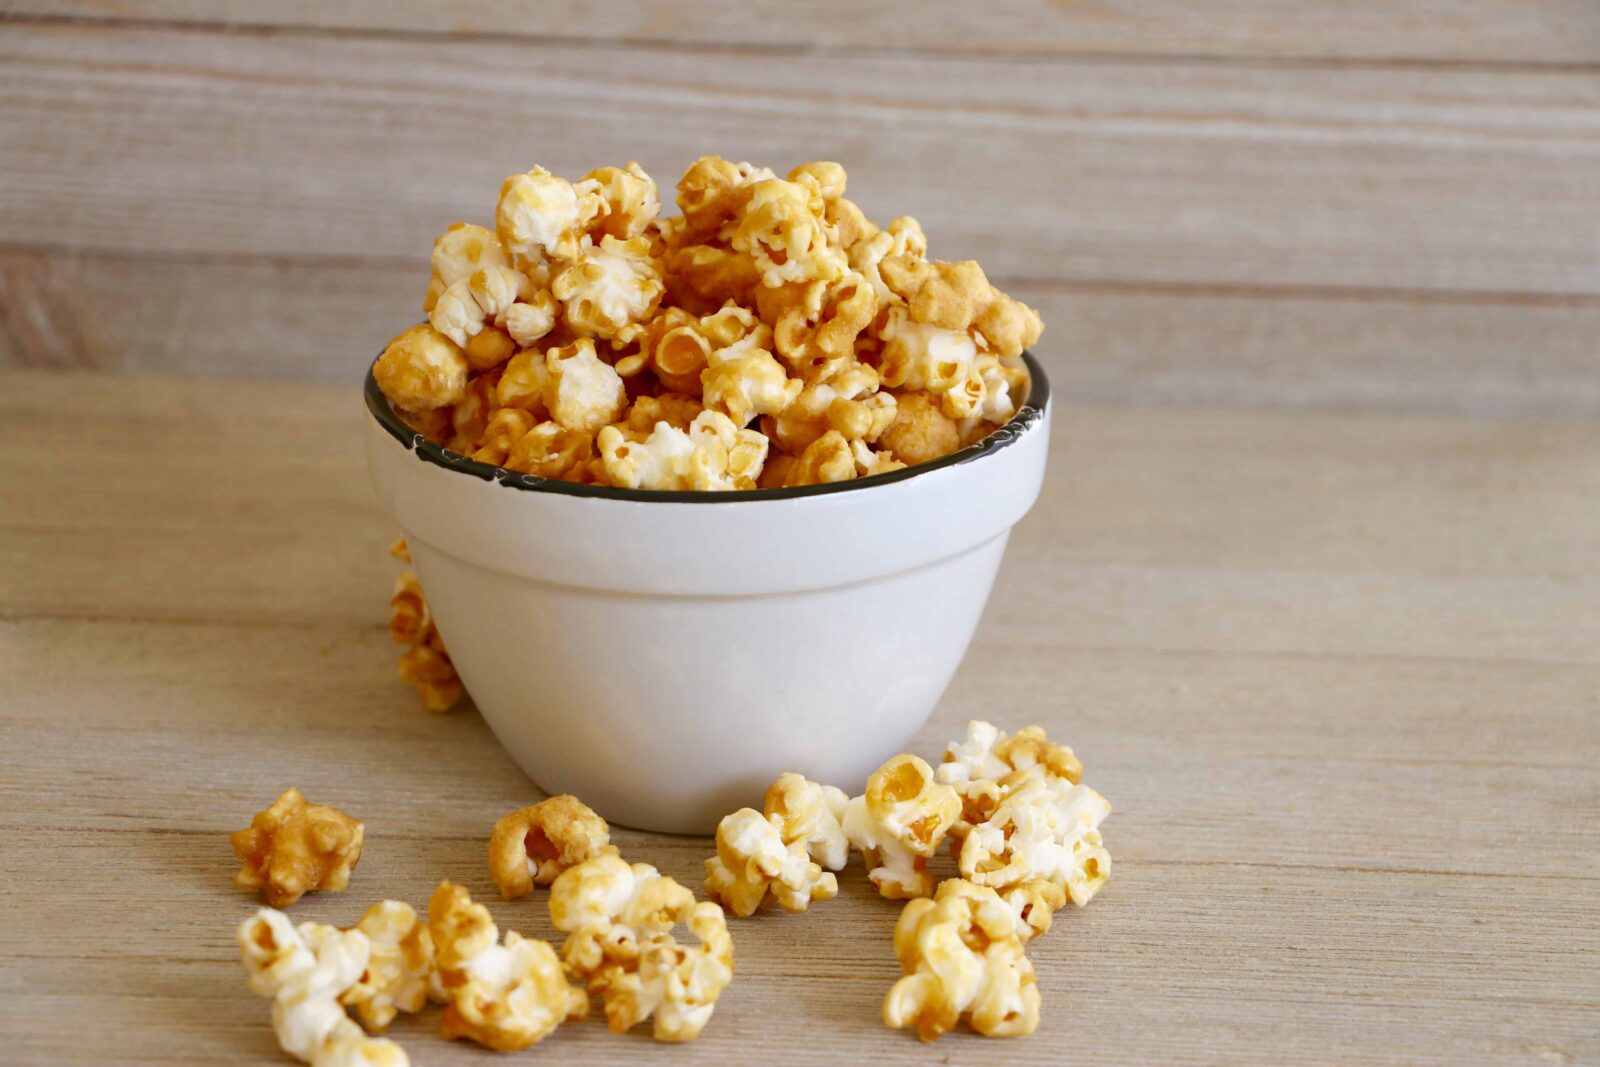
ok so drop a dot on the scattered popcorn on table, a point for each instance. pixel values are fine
(425, 664)
(754, 863)
(534, 845)
(294, 848)
(305, 971)
(619, 920)
(399, 965)
(899, 822)
(812, 814)
(834, 349)
(505, 995)
(962, 959)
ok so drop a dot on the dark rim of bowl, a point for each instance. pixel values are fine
(1031, 412)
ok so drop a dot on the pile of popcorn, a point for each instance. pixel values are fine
(1022, 829)
(770, 335)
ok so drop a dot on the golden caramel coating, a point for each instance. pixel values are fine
(962, 959)
(619, 921)
(534, 845)
(399, 965)
(294, 848)
(754, 864)
(422, 370)
(899, 822)
(505, 995)
(560, 340)
(920, 431)
(812, 814)
(425, 663)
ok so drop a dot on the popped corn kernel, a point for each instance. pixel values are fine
(422, 370)
(754, 864)
(744, 380)
(712, 454)
(958, 296)
(848, 402)
(619, 920)
(533, 845)
(410, 621)
(704, 277)
(304, 970)
(827, 459)
(541, 216)
(428, 667)
(522, 384)
(712, 190)
(549, 450)
(532, 319)
(470, 418)
(675, 409)
(783, 229)
(869, 462)
(399, 965)
(810, 813)
(630, 198)
(609, 286)
(503, 994)
(989, 752)
(294, 848)
(962, 959)
(1044, 829)
(505, 428)
(815, 324)
(920, 431)
(918, 356)
(903, 238)
(675, 350)
(899, 822)
(459, 253)
(582, 392)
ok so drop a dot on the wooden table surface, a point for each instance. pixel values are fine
(1339, 674)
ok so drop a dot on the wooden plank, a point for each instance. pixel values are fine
(1173, 173)
(1546, 31)
(311, 319)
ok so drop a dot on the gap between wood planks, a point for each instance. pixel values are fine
(692, 44)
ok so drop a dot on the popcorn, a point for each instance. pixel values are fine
(754, 863)
(962, 959)
(1044, 829)
(294, 848)
(774, 303)
(425, 664)
(541, 216)
(811, 814)
(533, 845)
(899, 822)
(422, 370)
(581, 392)
(920, 431)
(399, 965)
(609, 286)
(505, 995)
(989, 752)
(712, 454)
(305, 970)
(619, 921)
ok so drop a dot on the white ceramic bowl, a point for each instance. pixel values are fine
(664, 656)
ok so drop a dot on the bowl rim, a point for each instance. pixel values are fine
(1028, 415)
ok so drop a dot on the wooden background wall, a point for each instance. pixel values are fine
(1326, 203)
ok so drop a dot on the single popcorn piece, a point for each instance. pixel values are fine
(783, 229)
(631, 201)
(505, 428)
(425, 663)
(609, 286)
(505, 995)
(743, 381)
(848, 402)
(399, 965)
(712, 454)
(1044, 829)
(541, 216)
(460, 252)
(812, 814)
(903, 238)
(619, 921)
(815, 324)
(957, 296)
(534, 845)
(899, 822)
(989, 752)
(918, 356)
(754, 864)
(549, 450)
(581, 392)
(294, 848)
(827, 459)
(919, 430)
(530, 320)
(869, 462)
(304, 971)
(962, 959)
(422, 370)
(713, 190)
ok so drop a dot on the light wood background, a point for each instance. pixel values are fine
(1313, 588)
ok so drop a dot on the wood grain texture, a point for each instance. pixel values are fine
(293, 145)
(1481, 31)
(1339, 673)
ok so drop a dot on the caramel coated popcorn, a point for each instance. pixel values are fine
(962, 959)
(619, 921)
(581, 338)
(294, 848)
(899, 822)
(754, 864)
(426, 663)
(503, 994)
(534, 845)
